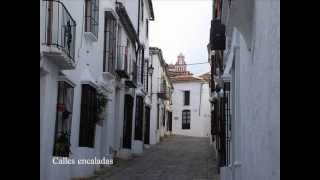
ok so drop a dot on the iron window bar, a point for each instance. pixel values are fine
(63, 120)
(92, 16)
(109, 54)
(227, 119)
(60, 27)
(122, 61)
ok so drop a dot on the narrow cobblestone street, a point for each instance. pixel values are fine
(175, 158)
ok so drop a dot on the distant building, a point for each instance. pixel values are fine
(95, 91)
(191, 106)
(180, 68)
(160, 122)
(244, 54)
(190, 101)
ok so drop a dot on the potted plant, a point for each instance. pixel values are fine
(62, 145)
(101, 105)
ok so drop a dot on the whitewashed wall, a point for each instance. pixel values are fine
(199, 123)
(155, 86)
(88, 57)
(257, 75)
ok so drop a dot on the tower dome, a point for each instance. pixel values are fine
(180, 60)
(180, 64)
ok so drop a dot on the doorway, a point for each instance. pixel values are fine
(147, 126)
(169, 124)
(127, 124)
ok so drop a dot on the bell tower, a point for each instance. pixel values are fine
(181, 65)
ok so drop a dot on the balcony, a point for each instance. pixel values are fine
(164, 92)
(58, 35)
(217, 35)
(122, 62)
(132, 82)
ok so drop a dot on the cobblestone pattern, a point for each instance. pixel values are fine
(175, 158)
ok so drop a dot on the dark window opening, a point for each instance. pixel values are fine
(138, 118)
(142, 66)
(88, 116)
(142, 10)
(147, 28)
(186, 119)
(109, 55)
(92, 16)
(63, 120)
(169, 124)
(147, 77)
(158, 112)
(164, 118)
(186, 97)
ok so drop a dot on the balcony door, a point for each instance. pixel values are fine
(147, 126)
(169, 124)
(49, 19)
(127, 124)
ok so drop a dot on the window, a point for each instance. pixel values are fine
(88, 116)
(109, 55)
(142, 8)
(146, 76)
(164, 118)
(63, 120)
(92, 16)
(138, 118)
(142, 66)
(186, 119)
(186, 97)
(147, 28)
(158, 112)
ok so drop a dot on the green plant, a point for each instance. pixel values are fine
(101, 102)
(62, 145)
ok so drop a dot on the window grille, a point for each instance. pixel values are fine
(186, 116)
(109, 55)
(63, 119)
(92, 16)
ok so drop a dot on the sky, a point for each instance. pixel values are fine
(182, 26)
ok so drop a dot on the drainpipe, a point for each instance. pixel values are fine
(139, 2)
(200, 98)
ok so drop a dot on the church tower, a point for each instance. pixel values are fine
(181, 65)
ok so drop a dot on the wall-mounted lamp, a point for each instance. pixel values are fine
(150, 70)
(220, 93)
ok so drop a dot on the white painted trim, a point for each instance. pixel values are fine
(67, 80)
(94, 85)
(230, 58)
(115, 15)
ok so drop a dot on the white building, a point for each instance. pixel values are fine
(190, 99)
(252, 68)
(161, 91)
(88, 47)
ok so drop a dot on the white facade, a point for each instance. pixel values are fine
(160, 107)
(87, 69)
(253, 67)
(199, 107)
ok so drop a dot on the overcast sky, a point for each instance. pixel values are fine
(182, 26)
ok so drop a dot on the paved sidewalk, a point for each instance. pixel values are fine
(175, 158)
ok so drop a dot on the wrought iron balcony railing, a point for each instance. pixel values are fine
(132, 82)
(164, 92)
(122, 62)
(59, 29)
(135, 73)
